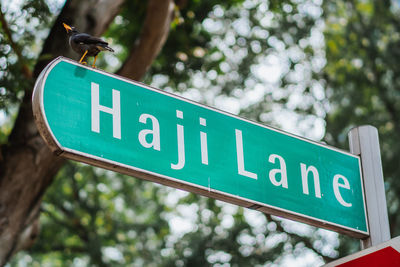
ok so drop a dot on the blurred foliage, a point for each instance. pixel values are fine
(215, 51)
(93, 217)
(22, 32)
(363, 86)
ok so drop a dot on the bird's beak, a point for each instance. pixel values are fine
(67, 28)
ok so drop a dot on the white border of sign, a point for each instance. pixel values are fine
(47, 134)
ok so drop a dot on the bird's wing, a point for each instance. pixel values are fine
(84, 38)
(88, 39)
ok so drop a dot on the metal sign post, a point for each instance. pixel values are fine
(364, 141)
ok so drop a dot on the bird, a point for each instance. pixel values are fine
(85, 44)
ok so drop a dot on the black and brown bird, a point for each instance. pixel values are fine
(85, 44)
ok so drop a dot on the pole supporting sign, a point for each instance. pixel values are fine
(102, 119)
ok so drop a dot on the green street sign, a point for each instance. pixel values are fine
(102, 119)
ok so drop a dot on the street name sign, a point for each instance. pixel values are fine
(109, 121)
(382, 255)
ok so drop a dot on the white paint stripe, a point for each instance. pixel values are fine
(396, 243)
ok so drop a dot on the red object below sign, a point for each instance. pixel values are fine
(386, 254)
(381, 258)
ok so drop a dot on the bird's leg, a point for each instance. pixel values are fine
(83, 56)
(94, 62)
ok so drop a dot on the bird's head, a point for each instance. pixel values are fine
(69, 29)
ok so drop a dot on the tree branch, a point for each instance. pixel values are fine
(76, 225)
(152, 38)
(24, 67)
(62, 248)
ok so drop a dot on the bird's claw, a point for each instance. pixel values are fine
(93, 66)
(84, 63)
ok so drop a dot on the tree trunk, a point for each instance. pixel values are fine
(152, 38)
(27, 166)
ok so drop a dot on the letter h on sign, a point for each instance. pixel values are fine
(115, 111)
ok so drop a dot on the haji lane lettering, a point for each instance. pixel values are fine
(275, 164)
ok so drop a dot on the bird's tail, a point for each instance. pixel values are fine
(109, 48)
(104, 47)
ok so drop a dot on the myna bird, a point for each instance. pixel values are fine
(85, 44)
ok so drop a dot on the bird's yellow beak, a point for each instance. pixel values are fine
(67, 28)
